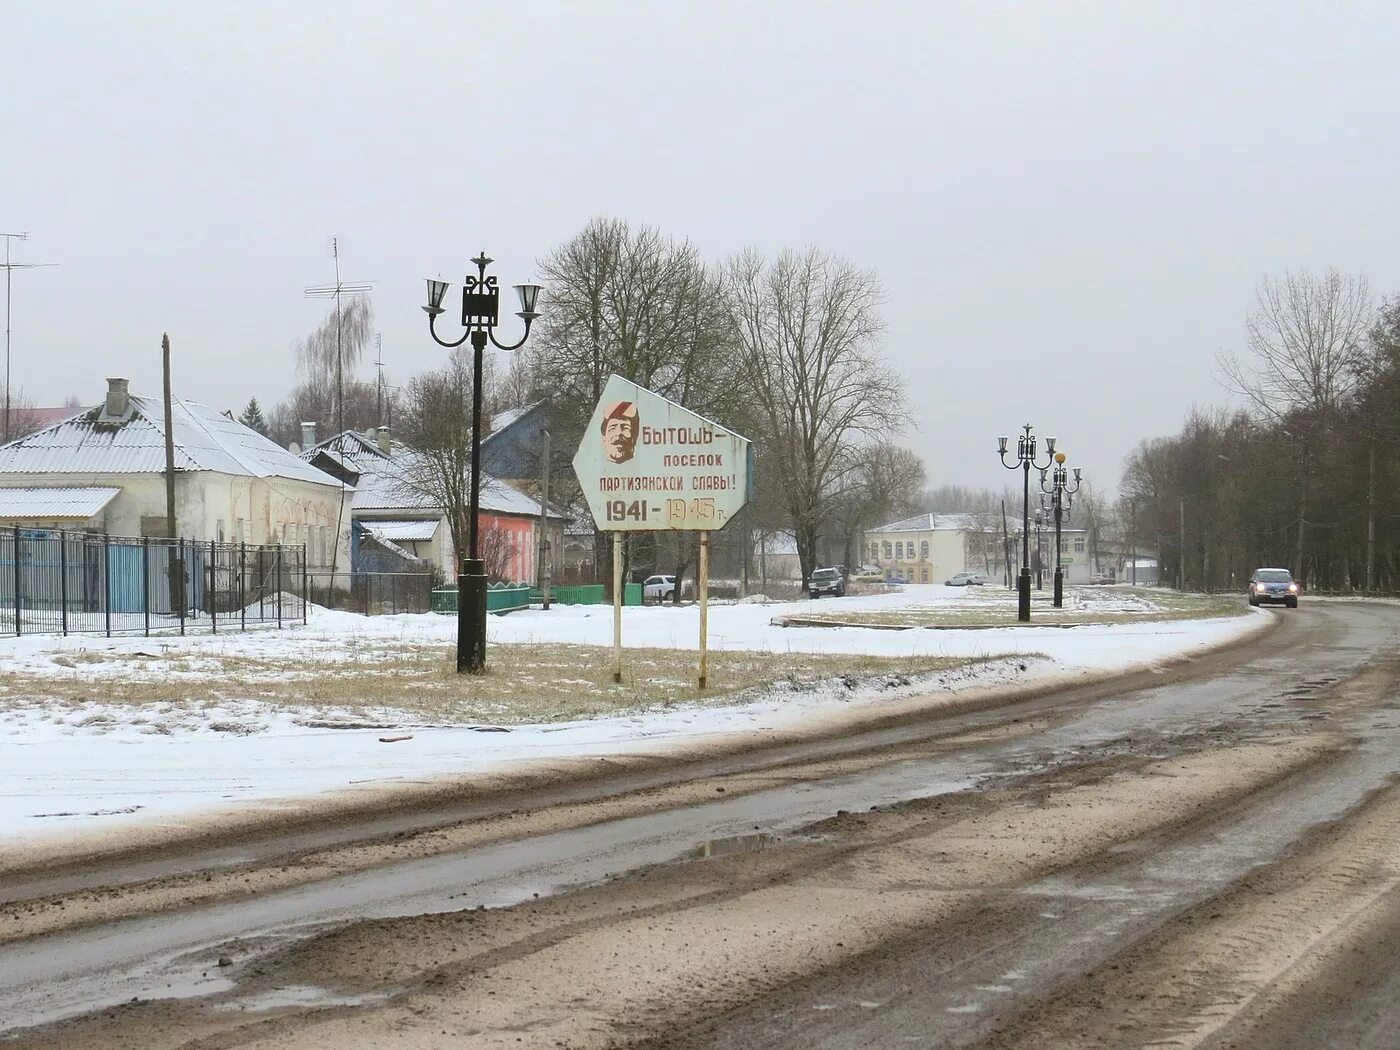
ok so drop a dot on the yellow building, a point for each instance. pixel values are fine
(930, 548)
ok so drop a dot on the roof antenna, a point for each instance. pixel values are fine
(335, 291)
(9, 268)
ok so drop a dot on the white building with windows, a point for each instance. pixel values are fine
(102, 470)
(931, 548)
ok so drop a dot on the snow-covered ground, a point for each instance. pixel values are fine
(99, 764)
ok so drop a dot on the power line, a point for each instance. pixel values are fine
(10, 267)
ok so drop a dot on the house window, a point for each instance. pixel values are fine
(238, 530)
(923, 552)
(1079, 545)
(887, 550)
(923, 575)
(219, 530)
(899, 551)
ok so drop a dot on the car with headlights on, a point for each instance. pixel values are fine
(1273, 587)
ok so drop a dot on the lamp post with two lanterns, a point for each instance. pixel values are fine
(1025, 459)
(480, 315)
(1059, 488)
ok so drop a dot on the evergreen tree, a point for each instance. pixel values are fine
(253, 418)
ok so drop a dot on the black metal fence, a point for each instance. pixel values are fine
(372, 593)
(54, 582)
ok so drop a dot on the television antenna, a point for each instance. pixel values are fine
(335, 291)
(379, 382)
(10, 267)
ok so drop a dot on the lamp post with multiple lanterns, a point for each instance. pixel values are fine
(1057, 478)
(1025, 459)
(480, 315)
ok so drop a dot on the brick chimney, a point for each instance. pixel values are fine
(118, 398)
(308, 435)
(384, 443)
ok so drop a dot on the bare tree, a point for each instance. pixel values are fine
(632, 301)
(807, 325)
(498, 548)
(1306, 343)
(435, 428)
(327, 391)
(23, 419)
(885, 482)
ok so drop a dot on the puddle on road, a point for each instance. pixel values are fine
(734, 844)
(298, 996)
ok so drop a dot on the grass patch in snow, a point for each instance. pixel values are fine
(524, 683)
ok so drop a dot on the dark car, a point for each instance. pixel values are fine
(1273, 586)
(826, 581)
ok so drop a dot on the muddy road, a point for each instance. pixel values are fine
(1207, 855)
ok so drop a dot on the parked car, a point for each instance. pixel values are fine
(826, 581)
(869, 574)
(966, 579)
(1101, 578)
(659, 588)
(1273, 586)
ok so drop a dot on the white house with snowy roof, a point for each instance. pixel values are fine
(102, 470)
(397, 513)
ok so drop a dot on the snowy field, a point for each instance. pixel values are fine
(96, 763)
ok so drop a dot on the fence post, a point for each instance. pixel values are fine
(180, 562)
(242, 572)
(213, 589)
(146, 581)
(18, 603)
(279, 586)
(305, 589)
(63, 579)
(394, 593)
(107, 581)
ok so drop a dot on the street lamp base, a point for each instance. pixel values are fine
(471, 617)
(1059, 588)
(1023, 596)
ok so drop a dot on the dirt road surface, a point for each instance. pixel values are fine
(1203, 856)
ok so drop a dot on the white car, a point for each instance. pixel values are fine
(659, 588)
(966, 579)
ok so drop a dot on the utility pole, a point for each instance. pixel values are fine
(542, 566)
(1132, 537)
(1181, 565)
(10, 267)
(379, 380)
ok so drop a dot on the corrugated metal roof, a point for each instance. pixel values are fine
(204, 440)
(30, 503)
(404, 531)
(933, 523)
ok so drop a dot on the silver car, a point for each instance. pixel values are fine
(966, 579)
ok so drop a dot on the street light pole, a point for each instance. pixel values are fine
(480, 315)
(1025, 459)
(1059, 488)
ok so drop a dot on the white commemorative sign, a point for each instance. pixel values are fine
(647, 464)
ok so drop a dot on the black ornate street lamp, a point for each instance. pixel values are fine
(1059, 489)
(1025, 459)
(480, 315)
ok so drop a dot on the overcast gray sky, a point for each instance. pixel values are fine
(1069, 203)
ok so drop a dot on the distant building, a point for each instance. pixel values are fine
(102, 470)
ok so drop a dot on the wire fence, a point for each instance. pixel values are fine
(372, 593)
(55, 582)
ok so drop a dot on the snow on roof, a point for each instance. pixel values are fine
(501, 420)
(417, 531)
(386, 481)
(933, 523)
(55, 502)
(204, 439)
